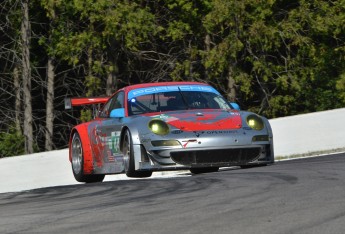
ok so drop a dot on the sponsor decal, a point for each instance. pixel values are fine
(197, 134)
(188, 141)
(176, 131)
(234, 112)
(164, 117)
(111, 158)
(162, 89)
(114, 142)
(221, 132)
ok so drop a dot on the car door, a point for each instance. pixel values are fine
(106, 136)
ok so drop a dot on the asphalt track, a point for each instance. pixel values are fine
(297, 196)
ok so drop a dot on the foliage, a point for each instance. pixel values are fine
(86, 115)
(11, 143)
(274, 57)
(282, 55)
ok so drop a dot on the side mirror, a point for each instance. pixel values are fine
(234, 105)
(117, 113)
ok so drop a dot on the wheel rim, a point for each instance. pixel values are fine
(77, 155)
(126, 151)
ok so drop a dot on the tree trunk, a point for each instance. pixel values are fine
(111, 79)
(50, 105)
(110, 83)
(231, 85)
(50, 90)
(26, 76)
(17, 105)
(90, 82)
(208, 48)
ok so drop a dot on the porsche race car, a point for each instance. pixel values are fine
(166, 126)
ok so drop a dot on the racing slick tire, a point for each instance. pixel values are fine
(203, 170)
(128, 156)
(78, 162)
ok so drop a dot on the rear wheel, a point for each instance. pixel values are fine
(204, 170)
(128, 156)
(78, 162)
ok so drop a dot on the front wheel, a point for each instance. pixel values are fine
(204, 170)
(78, 162)
(128, 156)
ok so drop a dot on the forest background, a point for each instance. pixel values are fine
(272, 57)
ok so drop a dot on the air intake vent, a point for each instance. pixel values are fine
(221, 157)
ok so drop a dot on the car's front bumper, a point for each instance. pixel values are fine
(206, 157)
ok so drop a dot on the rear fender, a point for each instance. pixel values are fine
(87, 151)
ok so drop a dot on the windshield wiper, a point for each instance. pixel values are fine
(184, 99)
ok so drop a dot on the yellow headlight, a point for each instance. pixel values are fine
(255, 122)
(158, 127)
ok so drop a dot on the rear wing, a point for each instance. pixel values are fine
(70, 102)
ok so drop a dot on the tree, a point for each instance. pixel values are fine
(274, 57)
(182, 37)
(49, 6)
(26, 77)
(276, 53)
(9, 63)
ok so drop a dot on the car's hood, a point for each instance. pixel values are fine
(199, 120)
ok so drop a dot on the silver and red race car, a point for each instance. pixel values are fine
(166, 126)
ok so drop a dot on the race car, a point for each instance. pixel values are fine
(166, 126)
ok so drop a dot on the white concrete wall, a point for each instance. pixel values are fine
(301, 134)
(35, 171)
(309, 133)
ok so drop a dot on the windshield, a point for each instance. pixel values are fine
(175, 100)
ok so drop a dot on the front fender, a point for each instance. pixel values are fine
(268, 127)
(135, 131)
